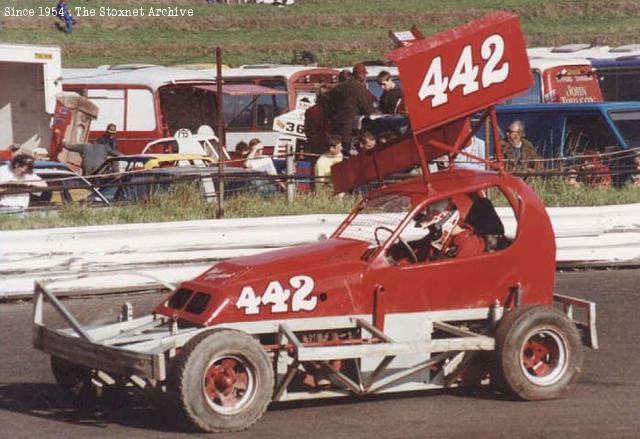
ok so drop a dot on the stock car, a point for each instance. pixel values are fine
(374, 308)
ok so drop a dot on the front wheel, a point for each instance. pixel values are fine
(538, 353)
(221, 381)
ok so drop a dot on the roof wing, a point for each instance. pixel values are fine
(446, 78)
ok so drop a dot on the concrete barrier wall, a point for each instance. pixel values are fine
(117, 257)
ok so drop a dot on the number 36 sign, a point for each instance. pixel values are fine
(459, 72)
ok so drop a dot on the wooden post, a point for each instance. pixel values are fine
(221, 133)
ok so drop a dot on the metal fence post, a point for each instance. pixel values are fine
(291, 171)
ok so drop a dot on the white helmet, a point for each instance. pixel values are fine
(440, 219)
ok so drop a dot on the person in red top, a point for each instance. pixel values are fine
(316, 125)
(447, 236)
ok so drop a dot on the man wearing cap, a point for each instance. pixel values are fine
(346, 101)
(94, 154)
(109, 137)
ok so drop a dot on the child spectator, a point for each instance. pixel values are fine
(18, 172)
(332, 156)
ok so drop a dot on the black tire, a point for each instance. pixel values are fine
(538, 353)
(221, 381)
(73, 379)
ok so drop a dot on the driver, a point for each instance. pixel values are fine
(447, 236)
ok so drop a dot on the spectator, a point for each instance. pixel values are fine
(109, 137)
(332, 156)
(258, 162)
(62, 11)
(391, 101)
(18, 172)
(476, 147)
(519, 154)
(366, 142)
(346, 101)
(316, 124)
(93, 155)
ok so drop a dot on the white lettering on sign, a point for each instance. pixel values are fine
(278, 297)
(465, 74)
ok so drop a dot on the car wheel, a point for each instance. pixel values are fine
(221, 381)
(538, 353)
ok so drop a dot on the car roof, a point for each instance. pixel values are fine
(44, 164)
(160, 157)
(57, 172)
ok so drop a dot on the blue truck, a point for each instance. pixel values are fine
(565, 132)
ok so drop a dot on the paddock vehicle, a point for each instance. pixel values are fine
(574, 135)
(366, 311)
(166, 100)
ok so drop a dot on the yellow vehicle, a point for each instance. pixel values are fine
(139, 162)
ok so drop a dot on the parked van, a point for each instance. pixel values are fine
(565, 132)
(561, 81)
(147, 102)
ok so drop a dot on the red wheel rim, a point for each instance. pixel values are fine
(228, 384)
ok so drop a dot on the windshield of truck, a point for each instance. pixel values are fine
(383, 213)
(628, 123)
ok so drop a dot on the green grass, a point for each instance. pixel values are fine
(339, 31)
(187, 204)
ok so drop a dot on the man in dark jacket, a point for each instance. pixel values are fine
(391, 97)
(346, 101)
(93, 155)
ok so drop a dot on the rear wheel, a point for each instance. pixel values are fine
(222, 381)
(538, 353)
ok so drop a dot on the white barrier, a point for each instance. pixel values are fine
(83, 259)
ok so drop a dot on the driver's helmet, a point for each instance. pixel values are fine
(440, 219)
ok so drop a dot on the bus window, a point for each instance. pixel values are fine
(110, 103)
(141, 112)
(238, 111)
(620, 84)
(270, 107)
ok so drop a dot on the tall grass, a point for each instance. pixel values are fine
(186, 203)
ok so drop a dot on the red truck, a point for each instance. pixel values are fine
(382, 305)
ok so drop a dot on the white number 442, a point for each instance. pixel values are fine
(278, 297)
(465, 74)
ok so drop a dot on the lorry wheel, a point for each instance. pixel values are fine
(221, 381)
(538, 353)
(73, 379)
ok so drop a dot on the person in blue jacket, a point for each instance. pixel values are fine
(63, 14)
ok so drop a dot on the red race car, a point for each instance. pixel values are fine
(422, 286)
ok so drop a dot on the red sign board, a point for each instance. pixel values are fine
(464, 70)
(571, 84)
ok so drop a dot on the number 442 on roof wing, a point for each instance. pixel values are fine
(464, 70)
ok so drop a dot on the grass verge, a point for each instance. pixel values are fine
(187, 204)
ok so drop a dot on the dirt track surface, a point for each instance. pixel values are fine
(604, 404)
